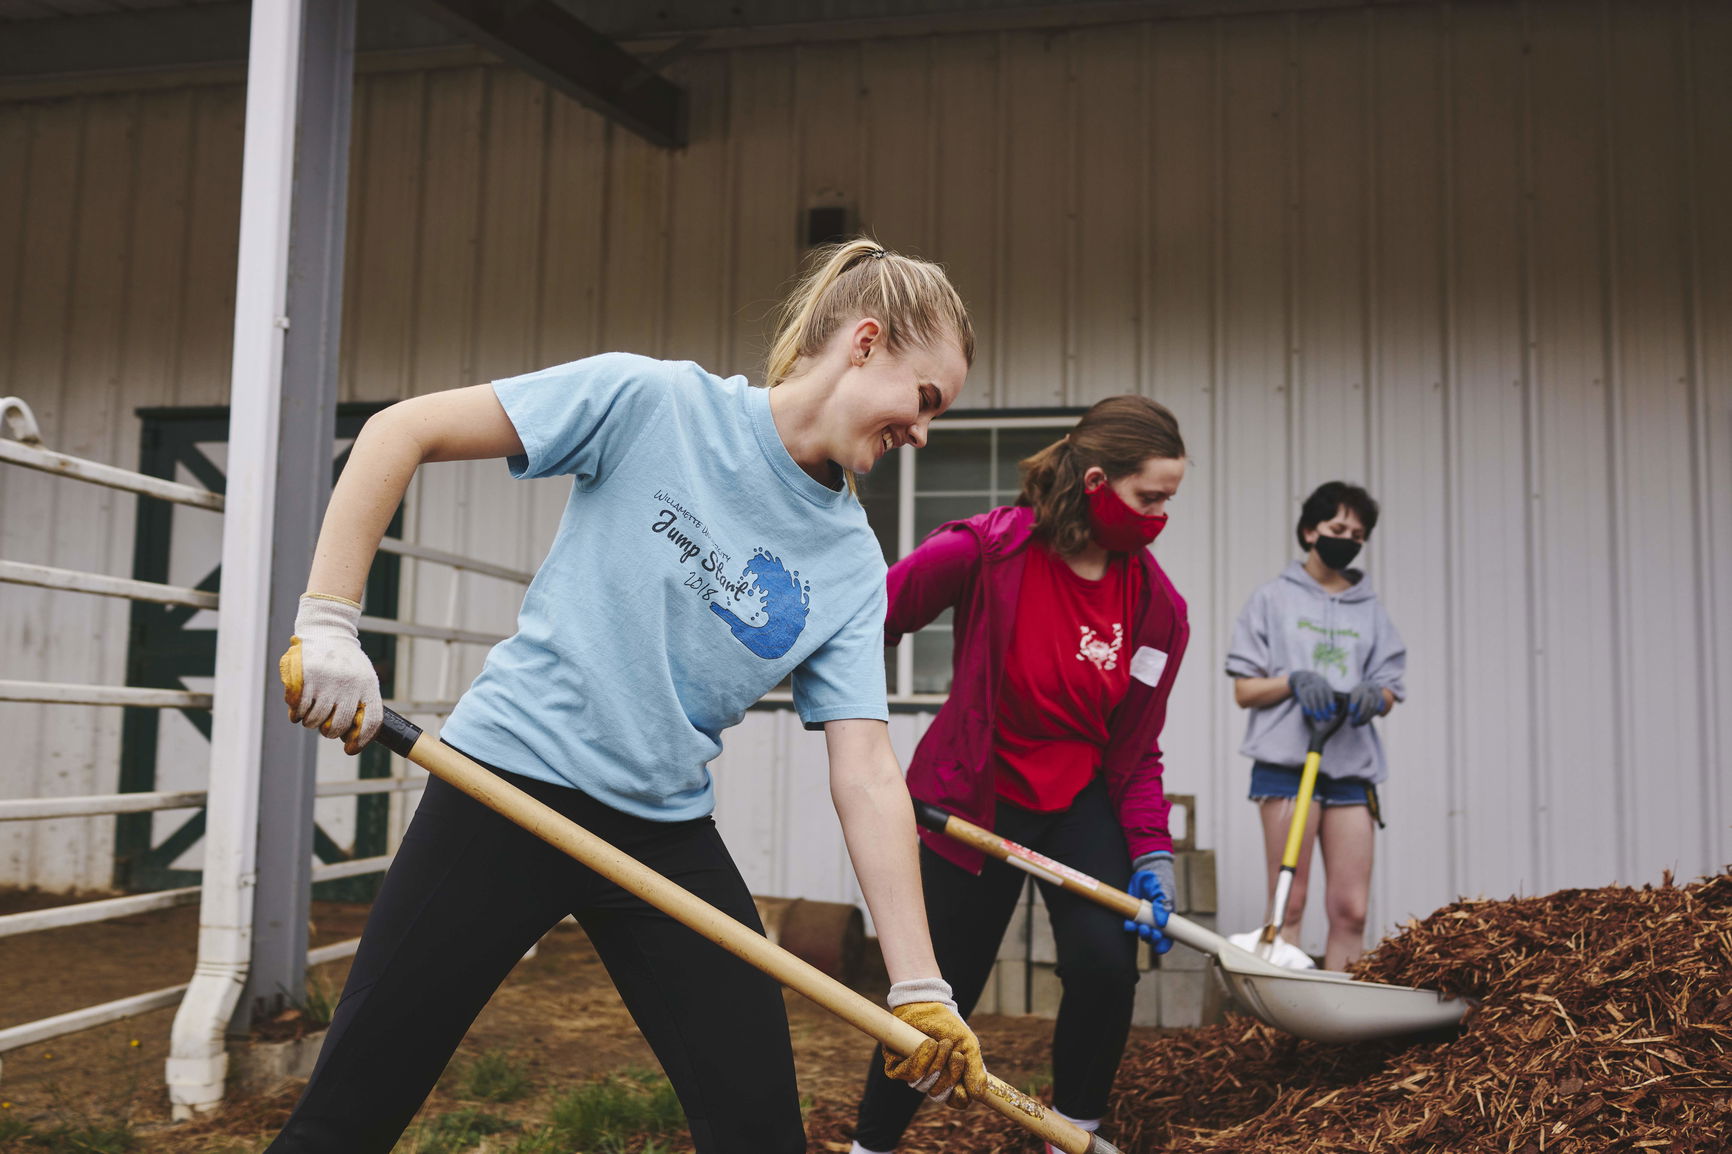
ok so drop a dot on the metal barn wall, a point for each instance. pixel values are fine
(1474, 255)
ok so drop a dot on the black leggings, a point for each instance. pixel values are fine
(1097, 961)
(468, 893)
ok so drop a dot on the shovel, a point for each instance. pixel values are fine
(1267, 942)
(1314, 1004)
(898, 1037)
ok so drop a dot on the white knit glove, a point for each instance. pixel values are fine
(337, 678)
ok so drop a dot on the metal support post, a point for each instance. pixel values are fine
(282, 402)
(308, 409)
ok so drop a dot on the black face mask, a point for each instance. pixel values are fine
(1336, 552)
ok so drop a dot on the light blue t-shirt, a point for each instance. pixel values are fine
(696, 566)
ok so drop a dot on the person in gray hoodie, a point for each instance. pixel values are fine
(1315, 630)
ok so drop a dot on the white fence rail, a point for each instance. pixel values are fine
(77, 581)
(27, 452)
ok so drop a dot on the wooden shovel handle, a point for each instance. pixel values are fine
(1028, 861)
(407, 740)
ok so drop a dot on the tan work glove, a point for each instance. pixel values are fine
(328, 682)
(947, 1066)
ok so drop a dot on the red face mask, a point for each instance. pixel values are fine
(1119, 528)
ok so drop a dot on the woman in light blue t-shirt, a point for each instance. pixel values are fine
(711, 547)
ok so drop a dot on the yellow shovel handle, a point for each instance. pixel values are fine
(1296, 831)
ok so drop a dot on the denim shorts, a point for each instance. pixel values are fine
(1273, 782)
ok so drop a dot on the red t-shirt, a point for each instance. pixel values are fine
(1067, 669)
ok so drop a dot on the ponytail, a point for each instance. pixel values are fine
(913, 299)
(1118, 434)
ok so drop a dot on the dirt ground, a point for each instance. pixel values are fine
(557, 1014)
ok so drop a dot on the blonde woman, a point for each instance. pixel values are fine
(711, 546)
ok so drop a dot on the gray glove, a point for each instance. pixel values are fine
(1364, 703)
(1161, 865)
(1316, 699)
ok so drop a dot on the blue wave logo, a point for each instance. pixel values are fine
(784, 601)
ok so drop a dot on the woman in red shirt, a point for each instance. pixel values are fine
(1068, 636)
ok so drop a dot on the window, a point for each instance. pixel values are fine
(969, 465)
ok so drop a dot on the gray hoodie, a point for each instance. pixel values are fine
(1293, 623)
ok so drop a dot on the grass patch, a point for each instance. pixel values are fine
(495, 1076)
(83, 1138)
(320, 1001)
(453, 1133)
(616, 1114)
(548, 1142)
(1037, 1082)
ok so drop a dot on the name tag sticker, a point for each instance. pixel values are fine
(1147, 664)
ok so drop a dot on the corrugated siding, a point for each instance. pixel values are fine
(1475, 255)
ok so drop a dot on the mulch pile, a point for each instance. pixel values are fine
(1604, 1025)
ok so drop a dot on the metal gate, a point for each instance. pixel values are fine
(170, 646)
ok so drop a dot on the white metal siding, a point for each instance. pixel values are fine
(1477, 256)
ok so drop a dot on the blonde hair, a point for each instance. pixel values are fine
(1118, 434)
(912, 298)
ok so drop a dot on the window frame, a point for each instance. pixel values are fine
(901, 697)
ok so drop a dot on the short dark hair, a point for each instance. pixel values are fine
(1330, 496)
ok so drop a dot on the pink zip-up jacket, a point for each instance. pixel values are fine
(976, 566)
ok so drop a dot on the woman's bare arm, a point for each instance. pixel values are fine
(457, 425)
(878, 824)
(1259, 692)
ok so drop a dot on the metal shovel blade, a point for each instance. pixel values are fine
(1320, 1005)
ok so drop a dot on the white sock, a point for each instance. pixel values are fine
(1088, 1124)
(859, 1149)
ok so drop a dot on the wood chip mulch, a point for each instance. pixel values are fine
(1604, 1027)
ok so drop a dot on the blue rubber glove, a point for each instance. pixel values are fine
(1316, 699)
(1153, 881)
(1364, 703)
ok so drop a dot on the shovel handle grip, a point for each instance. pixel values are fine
(1322, 731)
(1030, 862)
(406, 739)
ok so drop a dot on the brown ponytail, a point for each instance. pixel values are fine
(912, 298)
(1118, 434)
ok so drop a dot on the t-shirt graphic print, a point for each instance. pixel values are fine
(695, 567)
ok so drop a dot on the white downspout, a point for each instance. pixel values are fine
(198, 1059)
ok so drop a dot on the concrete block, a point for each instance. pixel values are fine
(988, 1003)
(1185, 803)
(260, 1067)
(1012, 945)
(1181, 883)
(1182, 960)
(1047, 992)
(1008, 977)
(1146, 1011)
(1029, 934)
(1181, 997)
(1200, 892)
(1044, 948)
